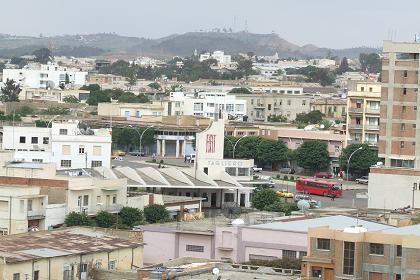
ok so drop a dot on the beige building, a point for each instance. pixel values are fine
(399, 139)
(260, 106)
(331, 108)
(363, 114)
(135, 110)
(68, 254)
(105, 79)
(54, 95)
(362, 253)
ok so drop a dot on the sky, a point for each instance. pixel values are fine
(325, 23)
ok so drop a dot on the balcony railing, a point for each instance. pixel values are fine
(372, 111)
(93, 210)
(355, 126)
(354, 141)
(36, 214)
(356, 110)
(372, 127)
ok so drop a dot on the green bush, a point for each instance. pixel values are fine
(77, 219)
(264, 197)
(55, 111)
(130, 217)
(292, 178)
(278, 176)
(105, 219)
(286, 208)
(155, 213)
(24, 111)
(285, 178)
(285, 262)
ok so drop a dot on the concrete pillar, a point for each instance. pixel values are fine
(177, 149)
(163, 147)
(184, 146)
(158, 147)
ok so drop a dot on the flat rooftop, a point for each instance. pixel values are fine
(408, 230)
(47, 244)
(338, 222)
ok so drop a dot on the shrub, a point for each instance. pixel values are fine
(264, 197)
(77, 219)
(286, 208)
(292, 178)
(161, 161)
(105, 219)
(130, 217)
(285, 178)
(25, 110)
(155, 213)
(285, 262)
(278, 176)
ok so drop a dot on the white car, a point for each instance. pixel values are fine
(363, 180)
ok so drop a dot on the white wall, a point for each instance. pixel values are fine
(54, 214)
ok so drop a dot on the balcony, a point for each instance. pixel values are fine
(356, 110)
(372, 127)
(355, 141)
(111, 208)
(372, 111)
(372, 143)
(355, 126)
(259, 106)
(36, 214)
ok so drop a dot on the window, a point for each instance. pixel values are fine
(36, 275)
(402, 163)
(289, 254)
(65, 163)
(98, 199)
(114, 199)
(370, 89)
(403, 109)
(98, 264)
(348, 258)
(230, 107)
(16, 276)
(402, 126)
(289, 102)
(376, 249)
(194, 248)
(397, 276)
(63, 131)
(317, 272)
(402, 144)
(323, 244)
(362, 89)
(399, 251)
(86, 200)
(81, 149)
(38, 160)
(34, 140)
(240, 107)
(111, 265)
(303, 102)
(96, 163)
(405, 73)
(231, 171)
(268, 106)
(261, 257)
(45, 140)
(97, 150)
(198, 106)
(29, 204)
(252, 101)
(405, 91)
(415, 108)
(302, 254)
(66, 150)
(83, 267)
(22, 139)
(229, 197)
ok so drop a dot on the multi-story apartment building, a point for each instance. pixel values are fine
(64, 144)
(206, 104)
(54, 95)
(331, 108)
(259, 106)
(363, 115)
(358, 252)
(45, 76)
(399, 138)
(136, 110)
(220, 56)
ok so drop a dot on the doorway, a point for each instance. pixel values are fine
(242, 200)
(328, 274)
(213, 200)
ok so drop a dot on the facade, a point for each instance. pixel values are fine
(45, 76)
(223, 60)
(260, 106)
(135, 110)
(64, 144)
(363, 114)
(67, 254)
(105, 79)
(331, 108)
(399, 139)
(206, 104)
(359, 253)
(54, 95)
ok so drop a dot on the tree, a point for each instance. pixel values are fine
(91, 87)
(131, 217)
(247, 147)
(24, 111)
(271, 151)
(370, 62)
(97, 96)
(155, 86)
(155, 213)
(43, 55)
(228, 146)
(240, 90)
(313, 117)
(132, 76)
(361, 161)
(71, 99)
(10, 91)
(279, 206)
(344, 66)
(55, 111)
(77, 219)
(277, 118)
(313, 155)
(263, 197)
(105, 219)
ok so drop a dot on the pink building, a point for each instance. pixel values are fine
(211, 239)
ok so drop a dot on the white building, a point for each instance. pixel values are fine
(223, 60)
(45, 76)
(64, 144)
(206, 104)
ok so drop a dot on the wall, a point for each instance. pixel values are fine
(159, 246)
(55, 214)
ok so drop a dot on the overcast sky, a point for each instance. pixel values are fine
(325, 23)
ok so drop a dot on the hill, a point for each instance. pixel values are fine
(177, 44)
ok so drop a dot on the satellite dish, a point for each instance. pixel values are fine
(215, 271)
(303, 205)
(238, 222)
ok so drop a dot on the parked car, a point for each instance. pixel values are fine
(301, 196)
(191, 158)
(323, 174)
(136, 153)
(256, 169)
(285, 194)
(363, 180)
(118, 153)
(285, 170)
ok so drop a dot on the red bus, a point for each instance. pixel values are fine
(319, 187)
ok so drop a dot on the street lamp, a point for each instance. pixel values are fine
(236, 143)
(141, 135)
(414, 189)
(48, 124)
(348, 161)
